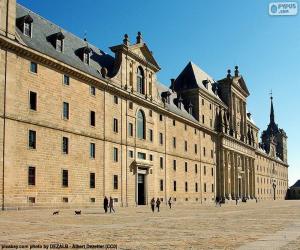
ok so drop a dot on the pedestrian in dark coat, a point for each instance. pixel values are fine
(111, 204)
(105, 204)
(153, 204)
(158, 204)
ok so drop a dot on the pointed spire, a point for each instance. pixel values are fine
(272, 118)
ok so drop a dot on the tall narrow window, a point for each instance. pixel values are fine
(115, 126)
(60, 45)
(161, 185)
(161, 162)
(86, 58)
(150, 134)
(174, 142)
(65, 178)
(31, 176)
(66, 110)
(196, 168)
(161, 139)
(92, 90)
(204, 187)
(141, 124)
(115, 156)
(27, 29)
(92, 118)
(140, 81)
(92, 150)
(174, 186)
(174, 165)
(196, 187)
(33, 67)
(92, 180)
(32, 139)
(196, 149)
(66, 80)
(65, 146)
(185, 166)
(33, 100)
(185, 146)
(130, 129)
(115, 182)
(186, 186)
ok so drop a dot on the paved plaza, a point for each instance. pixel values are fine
(265, 225)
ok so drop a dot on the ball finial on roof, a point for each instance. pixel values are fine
(228, 73)
(126, 40)
(236, 72)
(139, 38)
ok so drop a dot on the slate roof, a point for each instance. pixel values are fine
(42, 31)
(297, 184)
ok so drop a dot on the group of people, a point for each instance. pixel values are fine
(108, 204)
(158, 202)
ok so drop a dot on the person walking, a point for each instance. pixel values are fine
(105, 204)
(236, 201)
(111, 204)
(158, 204)
(153, 204)
(170, 202)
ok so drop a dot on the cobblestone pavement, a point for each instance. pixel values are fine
(265, 225)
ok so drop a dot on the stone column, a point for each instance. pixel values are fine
(247, 177)
(253, 178)
(236, 175)
(225, 164)
(223, 171)
(232, 173)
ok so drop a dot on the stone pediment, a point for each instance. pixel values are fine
(241, 84)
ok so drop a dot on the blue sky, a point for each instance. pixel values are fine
(216, 35)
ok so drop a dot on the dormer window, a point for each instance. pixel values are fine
(25, 25)
(57, 41)
(86, 58)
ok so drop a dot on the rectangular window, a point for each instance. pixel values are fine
(92, 180)
(161, 139)
(65, 110)
(115, 182)
(130, 105)
(115, 126)
(59, 45)
(151, 157)
(92, 118)
(161, 162)
(116, 99)
(204, 187)
(174, 123)
(66, 80)
(33, 67)
(32, 139)
(186, 186)
(185, 127)
(185, 166)
(130, 152)
(141, 155)
(31, 176)
(174, 142)
(151, 135)
(115, 154)
(204, 170)
(202, 101)
(33, 100)
(27, 29)
(174, 165)
(212, 171)
(196, 187)
(203, 119)
(161, 185)
(160, 117)
(130, 129)
(92, 90)
(196, 149)
(65, 145)
(185, 145)
(65, 178)
(174, 186)
(204, 151)
(212, 188)
(150, 113)
(196, 168)
(92, 150)
(212, 154)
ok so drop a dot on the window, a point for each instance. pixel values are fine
(150, 113)
(174, 142)
(31, 199)
(185, 127)
(92, 118)
(66, 110)
(195, 131)
(196, 187)
(203, 119)
(186, 166)
(161, 162)
(116, 99)
(196, 168)
(92, 90)
(151, 134)
(160, 117)
(202, 101)
(60, 45)
(32, 100)
(27, 29)
(210, 106)
(174, 165)
(92, 180)
(115, 125)
(204, 170)
(130, 129)
(65, 199)
(130, 152)
(86, 57)
(204, 151)
(212, 171)
(65, 178)
(31, 176)
(174, 186)
(186, 186)
(203, 134)
(212, 188)
(92, 150)
(130, 105)
(65, 145)
(141, 155)
(115, 182)
(174, 123)
(33, 67)
(140, 81)
(92, 200)
(66, 80)
(196, 149)
(210, 123)
(115, 154)
(141, 125)
(161, 139)
(32, 139)
(161, 185)
(185, 145)
(212, 154)
(151, 157)
(204, 187)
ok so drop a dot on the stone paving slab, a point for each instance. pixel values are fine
(265, 225)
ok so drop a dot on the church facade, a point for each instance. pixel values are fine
(77, 124)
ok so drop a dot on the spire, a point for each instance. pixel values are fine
(272, 119)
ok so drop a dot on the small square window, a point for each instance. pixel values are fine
(66, 80)
(65, 199)
(33, 67)
(92, 200)
(31, 200)
(92, 90)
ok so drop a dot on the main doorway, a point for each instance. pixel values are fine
(141, 189)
